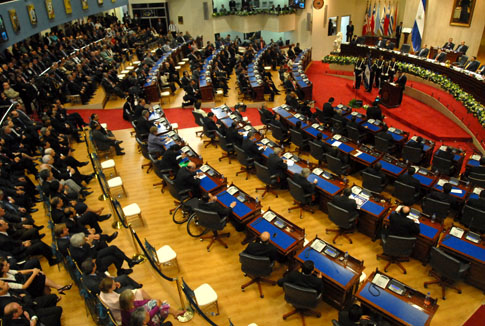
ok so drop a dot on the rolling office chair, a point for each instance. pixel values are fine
(144, 151)
(336, 165)
(211, 134)
(344, 219)
(180, 196)
(439, 208)
(264, 121)
(270, 181)
(212, 222)
(316, 151)
(384, 145)
(228, 148)
(302, 200)
(473, 218)
(373, 182)
(446, 270)
(396, 250)
(405, 193)
(298, 140)
(413, 155)
(256, 267)
(246, 162)
(278, 134)
(461, 61)
(477, 179)
(443, 166)
(355, 134)
(198, 120)
(159, 172)
(303, 299)
(405, 48)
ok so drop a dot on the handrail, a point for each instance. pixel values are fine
(7, 112)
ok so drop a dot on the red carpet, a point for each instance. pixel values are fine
(478, 317)
(114, 117)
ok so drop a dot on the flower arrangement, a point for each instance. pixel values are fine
(472, 105)
(255, 12)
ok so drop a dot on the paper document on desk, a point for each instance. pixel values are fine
(476, 157)
(318, 245)
(357, 153)
(456, 191)
(477, 190)
(457, 232)
(317, 171)
(336, 143)
(315, 125)
(265, 141)
(443, 148)
(247, 128)
(337, 137)
(204, 168)
(232, 190)
(269, 216)
(392, 129)
(441, 182)
(288, 155)
(356, 190)
(290, 162)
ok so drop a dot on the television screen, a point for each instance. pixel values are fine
(3, 32)
(299, 4)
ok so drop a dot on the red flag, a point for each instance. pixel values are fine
(372, 20)
(395, 18)
(366, 20)
(386, 22)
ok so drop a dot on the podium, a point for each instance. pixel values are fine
(390, 95)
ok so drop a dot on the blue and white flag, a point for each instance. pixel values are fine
(366, 74)
(378, 25)
(418, 28)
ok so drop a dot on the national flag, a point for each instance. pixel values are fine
(366, 19)
(388, 21)
(372, 19)
(369, 14)
(383, 27)
(366, 75)
(418, 28)
(394, 18)
(377, 26)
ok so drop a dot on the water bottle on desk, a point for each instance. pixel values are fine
(427, 299)
(433, 217)
(346, 258)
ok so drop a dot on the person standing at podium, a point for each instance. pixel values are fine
(401, 81)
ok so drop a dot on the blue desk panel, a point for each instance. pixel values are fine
(227, 121)
(295, 168)
(169, 144)
(240, 209)
(324, 184)
(282, 112)
(460, 195)
(391, 167)
(370, 126)
(474, 196)
(278, 236)
(349, 117)
(268, 151)
(344, 147)
(327, 266)
(396, 137)
(473, 163)
(427, 230)
(424, 180)
(464, 247)
(314, 132)
(395, 306)
(367, 157)
(207, 184)
(294, 120)
(373, 208)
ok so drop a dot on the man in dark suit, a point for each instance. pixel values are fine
(481, 71)
(398, 34)
(478, 203)
(277, 166)
(328, 110)
(407, 178)
(423, 51)
(376, 170)
(18, 313)
(472, 65)
(444, 196)
(232, 5)
(402, 226)
(350, 31)
(104, 142)
(186, 178)
(374, 112)
(462, 48)
(401, 81)
(143, 125)
(251, 149)
(305, 278)
(301, 179)
(449, 45)
(263, 248)
(210, 204)
(381, 43)
(209, 123)
(440, 56)
(92, 278)
(343, 201)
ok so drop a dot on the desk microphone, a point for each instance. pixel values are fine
(307, 253)
(274, 235)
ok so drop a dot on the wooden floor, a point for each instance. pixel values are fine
(220, 267)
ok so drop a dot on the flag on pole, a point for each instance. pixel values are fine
(418, 27)
(385, 24)
(366, 19)
(394, 18)
(378, 20)
(390, 20)
(369, 14)
(372, 19)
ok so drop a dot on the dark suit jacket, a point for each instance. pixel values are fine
(461, 48)
(402, 81)
(92, 282)
(449, 46)
(263, 249)
(251, 149)
(169, 161)
(374, 112)
(276, 165)
(441, 57)
(307, 186)
(478, 203)
(423, 52)
(346, 203)
(303, 280)
(186, 180)
(80, 254)
(441, 196)
(410, 180)
(101, 140)
(233, 136)
(143, 126)
(328, 110)
(472, 65)
(215, 207)
(402, 226)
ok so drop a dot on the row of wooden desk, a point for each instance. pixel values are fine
(206, 87)
(298, 71)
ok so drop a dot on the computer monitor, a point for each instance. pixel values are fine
(299, 4)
